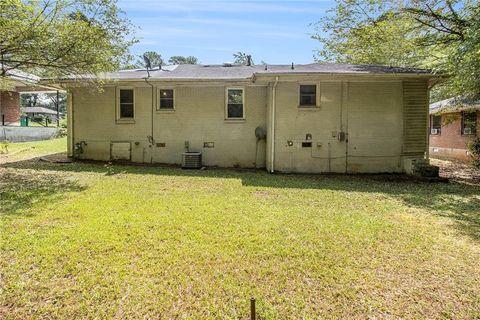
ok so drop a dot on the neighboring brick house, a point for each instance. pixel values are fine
(453, 123)
(9, 107)
(10, 100)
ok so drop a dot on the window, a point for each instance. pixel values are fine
(469, 123)
(166, 99)
(435, 124)
(308, 95)
(235, 104)
(126, 103)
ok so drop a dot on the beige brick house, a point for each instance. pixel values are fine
(317, 117)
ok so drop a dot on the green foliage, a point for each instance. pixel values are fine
(28, 99)
(157, 60)
(441, 35)
(364, 32)
(61, 132)
(63, 123)
(449, 118)
(59, 38)
(4, 146)
(44, 99)
(474, 148)
(183, 60)
(154, 57)
(242, 58)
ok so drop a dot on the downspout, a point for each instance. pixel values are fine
(71, 123)
(272, 158)
(427, 142)
(150, 137)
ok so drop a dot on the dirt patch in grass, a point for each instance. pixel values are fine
(458, 171)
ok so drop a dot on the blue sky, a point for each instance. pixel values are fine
(277, 32)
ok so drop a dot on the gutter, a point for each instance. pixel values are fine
(272, 158)
(71, 114)
(434, 78)
(255, 76)
(113, 80)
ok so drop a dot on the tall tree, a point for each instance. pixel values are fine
(183, 60)
(359, 31)
(242, 58)
(29, 99)
(44, 99)
(155, 59)
(440, 34)
(62, 37)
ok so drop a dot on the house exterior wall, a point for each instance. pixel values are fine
(199, 117)
(451, 143)
(10, 106)
(369, 113)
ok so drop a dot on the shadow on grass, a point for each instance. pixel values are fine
(19, 190)
(459, 202)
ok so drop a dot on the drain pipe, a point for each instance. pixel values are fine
(150, 138)
(272, 158)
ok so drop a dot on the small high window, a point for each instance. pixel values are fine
(166, 99)
(308, 95)
(435, 124)
(126, 104)
(235, 107)
(469, 123)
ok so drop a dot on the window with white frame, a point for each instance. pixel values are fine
(166, 99)
(235, 103)
(126, 104)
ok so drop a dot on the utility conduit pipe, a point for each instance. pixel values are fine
(272, 158)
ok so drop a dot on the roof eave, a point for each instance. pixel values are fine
(275, 74)
(110, 80)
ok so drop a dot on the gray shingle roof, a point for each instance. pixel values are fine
(188, 71)
(38, 110)
(21, 76)
(454, 104)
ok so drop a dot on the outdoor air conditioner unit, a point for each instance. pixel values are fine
(467, 131)
(191, 160)
(434, 131)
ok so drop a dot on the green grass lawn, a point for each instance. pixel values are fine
(26, 150)
(83, 240)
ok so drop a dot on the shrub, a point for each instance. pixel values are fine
(61, 132)
(474, 147)
(4, 146)
(63, 123)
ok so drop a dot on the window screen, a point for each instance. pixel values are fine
(126, 103)
(166, 99)
(308, 95)
(235, 103)
(436, 124)
(469, 122)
